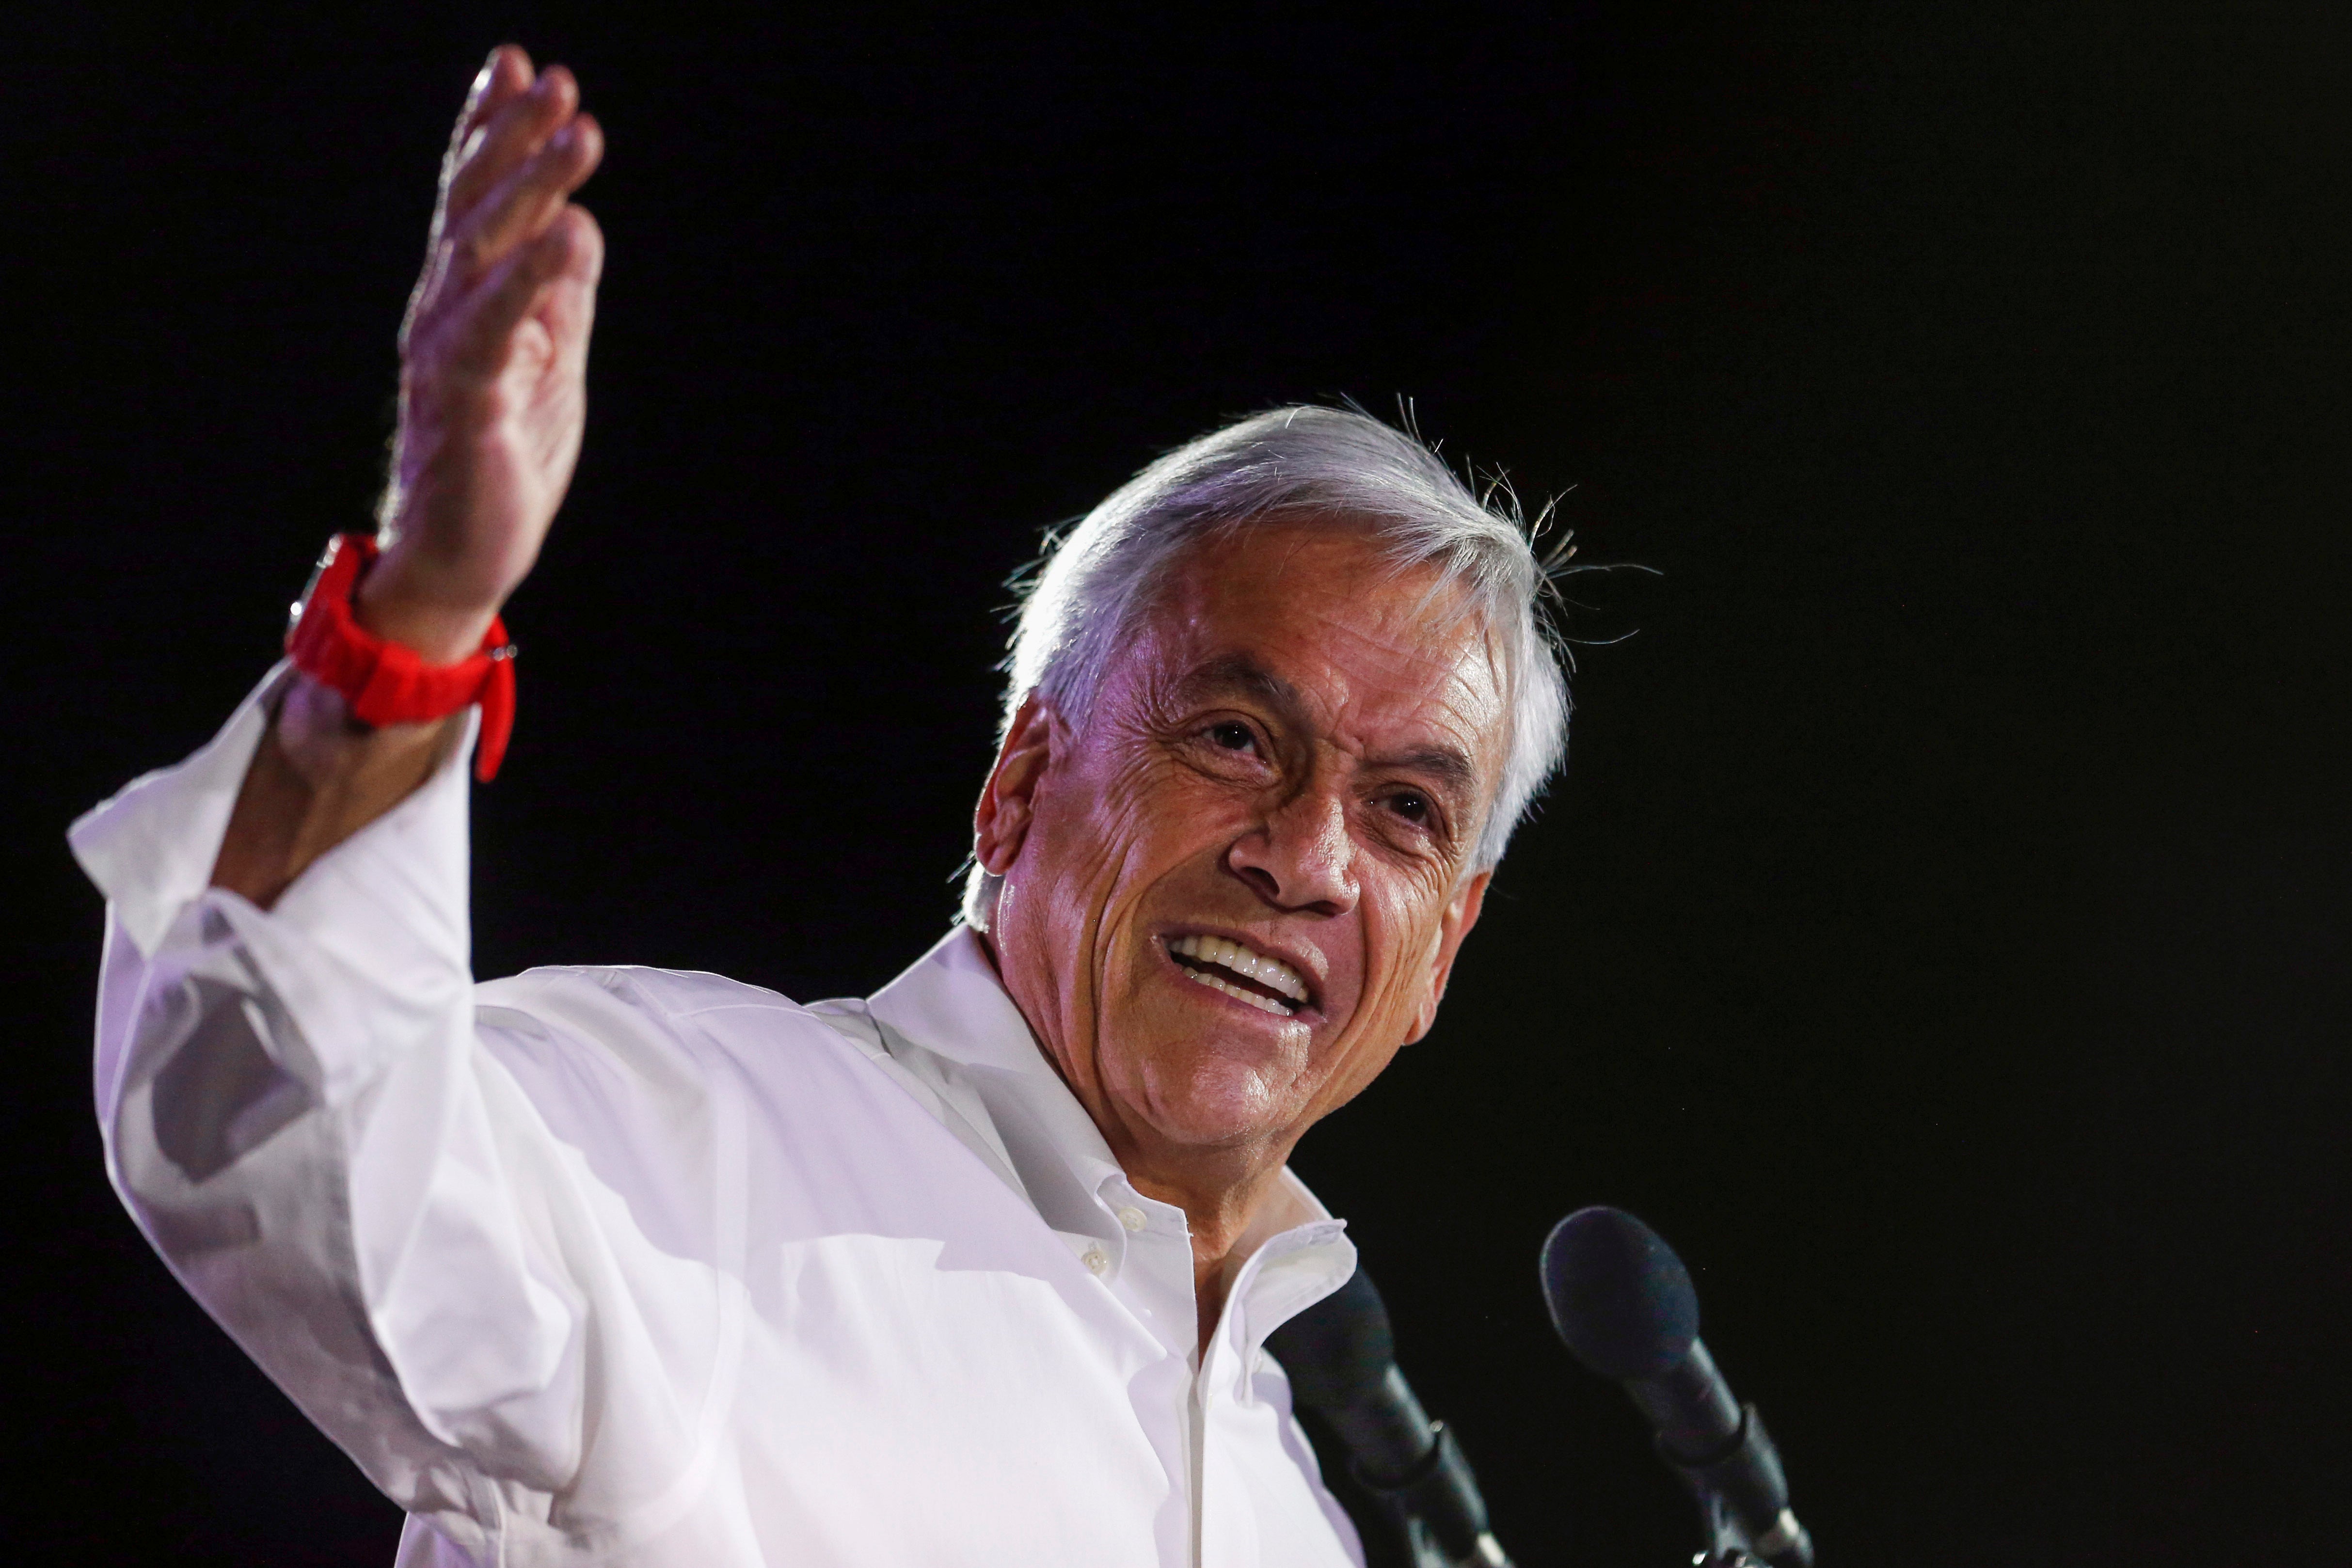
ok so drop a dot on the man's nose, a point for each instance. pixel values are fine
(1301, 857)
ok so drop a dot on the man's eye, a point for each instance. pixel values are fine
(1411, 806)
(1232, 737)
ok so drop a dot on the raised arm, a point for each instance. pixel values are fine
(368, 1179)
(494, 355)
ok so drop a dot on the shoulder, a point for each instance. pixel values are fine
(613, 1057)
(634, 988)
(642, 1022)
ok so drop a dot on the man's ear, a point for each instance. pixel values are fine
(1460, 915)
(1000, 823)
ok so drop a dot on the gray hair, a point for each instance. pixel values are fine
(1081, 600)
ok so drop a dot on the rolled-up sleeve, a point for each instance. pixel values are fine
(299, 1113)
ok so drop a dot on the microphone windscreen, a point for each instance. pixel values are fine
(1337, 1350)
(1617, 1294)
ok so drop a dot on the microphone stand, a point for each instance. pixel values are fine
(1726, 1547)
(1736, 1488)
(1435, 1511)
(1400, 1476)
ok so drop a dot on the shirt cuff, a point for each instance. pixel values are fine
(151, 848)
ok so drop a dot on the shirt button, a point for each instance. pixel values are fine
(1097, 1259)
(1132, 1218)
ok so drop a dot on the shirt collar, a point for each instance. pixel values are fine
(951, 1002)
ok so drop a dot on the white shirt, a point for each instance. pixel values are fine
(626, 1265)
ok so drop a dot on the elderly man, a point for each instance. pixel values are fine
(624, 1266)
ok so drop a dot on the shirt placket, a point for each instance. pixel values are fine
(1147, 1262)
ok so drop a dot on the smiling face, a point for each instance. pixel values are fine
(1234, 891)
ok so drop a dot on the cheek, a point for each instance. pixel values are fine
(1087, 827)
(1400, 944)
(1137, 817)
(1103, 838)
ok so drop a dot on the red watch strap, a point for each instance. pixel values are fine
(386, 682)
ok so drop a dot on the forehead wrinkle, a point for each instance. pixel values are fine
(1398, 636)
(1408, 657)
(1238, 672)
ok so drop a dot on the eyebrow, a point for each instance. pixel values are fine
(1453, 771)
(1239, 671)
(1449, 767)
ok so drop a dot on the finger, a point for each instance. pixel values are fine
(508, 138)
(571, 251)
(568, 301)
(520, 210)
(505, 75)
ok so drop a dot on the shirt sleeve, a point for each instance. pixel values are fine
(301, 1111)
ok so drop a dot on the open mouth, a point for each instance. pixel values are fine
(1266, 983)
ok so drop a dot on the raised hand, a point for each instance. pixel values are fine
(494, 355)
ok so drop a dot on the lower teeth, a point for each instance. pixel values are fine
(1264, 1004)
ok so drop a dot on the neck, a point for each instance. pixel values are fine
(1220, 1200)
(1221, 1188)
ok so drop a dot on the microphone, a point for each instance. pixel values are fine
(1625, 1304)
(1340, 1357)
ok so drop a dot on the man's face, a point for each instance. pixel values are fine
(1277, 794)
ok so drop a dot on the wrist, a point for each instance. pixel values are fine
(324, 741)
(395, 679)
(400, 602)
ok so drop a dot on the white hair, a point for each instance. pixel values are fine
(1081, 602)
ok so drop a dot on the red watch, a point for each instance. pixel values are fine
(388, 682)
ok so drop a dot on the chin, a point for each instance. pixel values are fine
(1216, 1099)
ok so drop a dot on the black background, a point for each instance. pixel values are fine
(1940, 931)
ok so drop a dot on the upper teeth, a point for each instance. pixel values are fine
(1271, 972)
